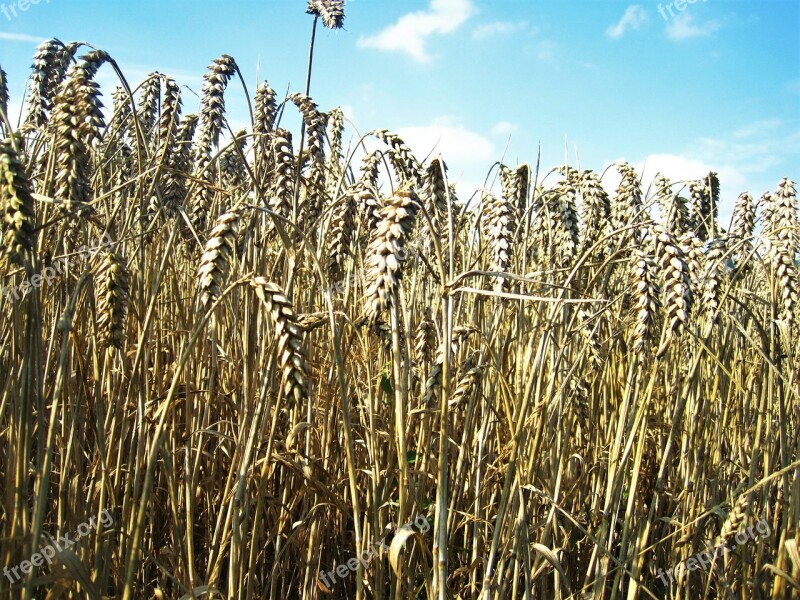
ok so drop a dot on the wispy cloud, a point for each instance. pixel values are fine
(497, 28)
(759, 127)
(635, 16)
(412, 30)
(20, 37)
(504, 128)
(545, 50)
(684, 27)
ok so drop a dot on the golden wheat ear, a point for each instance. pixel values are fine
(16, 208)
(330, 11)
(386, 252)
(113, 294)
(217, 256)
(290, 332)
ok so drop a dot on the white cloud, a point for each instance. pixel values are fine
(467, 153)
(679, 168)
(412, 30)
(683, 168)
(504, 128)
(454, 142)
(683, 27)
(634, 17)
(488, 30)
(743, 159)
(21, 37)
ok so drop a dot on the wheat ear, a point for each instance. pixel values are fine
(291, 358)
(386, 251)
(217, 257)
(112, 306)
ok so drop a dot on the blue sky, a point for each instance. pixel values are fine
(710, 84)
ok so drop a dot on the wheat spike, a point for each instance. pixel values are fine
(231, 163)
(265, 109)
(780, 239)
(675, 280)
(149, 95)
(498, 219)
(294, 384)
(282, 197)
(315, 131)
(646, 292)
(523, 174)
(734, 522)
(433, 383)
(386, 251)
(342, 222)
(170, 117)
(596, 207)
(179, 161)
(3, 96)
(435, 199)
(627, 208)
(567, 233)
(711, 280)
(49, 67)
(16, 204)
(264, 122)
(674, 210)
(693, 251)
(330, 11)
(77, 122)
(336, 130)
(39, 82)
(588, 329)
(217, 257)
(212, 102)
(704, 199)
(112, 306)
(369, 169)
(741, 234)
(404, 161)
(467, 385)
(744, 218)
(424, 339)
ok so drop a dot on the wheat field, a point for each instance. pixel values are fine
(233, 362)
